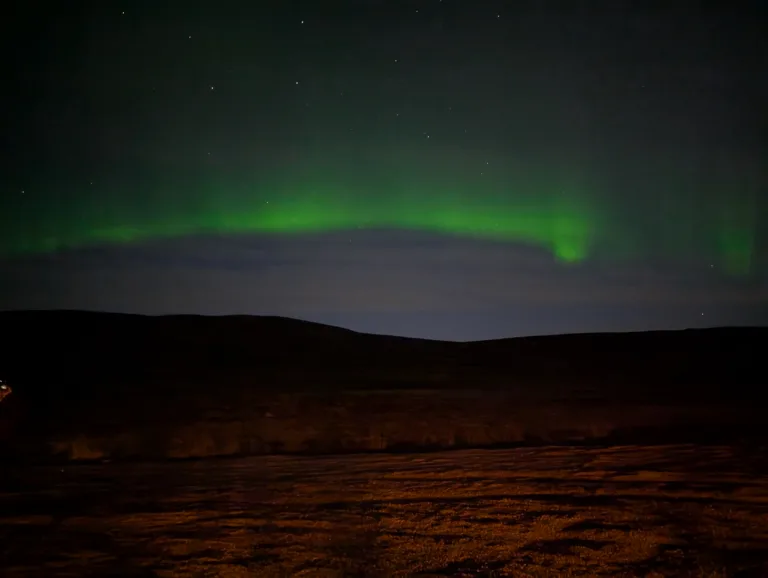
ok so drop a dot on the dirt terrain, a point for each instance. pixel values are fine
(94, 386)
(681, 510)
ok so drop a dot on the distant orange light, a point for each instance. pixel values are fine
(5, 390)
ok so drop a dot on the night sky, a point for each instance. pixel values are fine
(455, 169)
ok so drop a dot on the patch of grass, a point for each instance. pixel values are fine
(616, 511)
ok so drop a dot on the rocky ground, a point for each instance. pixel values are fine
(682, 510)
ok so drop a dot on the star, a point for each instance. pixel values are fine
(212, 87)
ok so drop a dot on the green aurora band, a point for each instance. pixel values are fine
(564, 220)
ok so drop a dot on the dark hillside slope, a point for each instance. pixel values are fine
(274, 383)
(84, 350)
(706, 361)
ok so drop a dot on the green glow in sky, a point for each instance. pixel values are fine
(567, 233)
(736, 235)
(561, 222)
(556, 215)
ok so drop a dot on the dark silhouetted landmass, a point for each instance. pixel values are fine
(129, 385)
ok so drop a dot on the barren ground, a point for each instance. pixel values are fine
(621, 511)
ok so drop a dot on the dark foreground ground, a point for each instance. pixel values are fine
(95, 386)
(680, 510)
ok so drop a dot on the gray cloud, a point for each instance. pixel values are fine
(361, 272)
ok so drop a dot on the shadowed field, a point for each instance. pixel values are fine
(622, 511)
(125, 387)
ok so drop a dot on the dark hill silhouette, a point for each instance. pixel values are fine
(88, 349)
(87, 372)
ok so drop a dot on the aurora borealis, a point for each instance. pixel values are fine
(575, 145)
(563, 223)
(556, 216)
